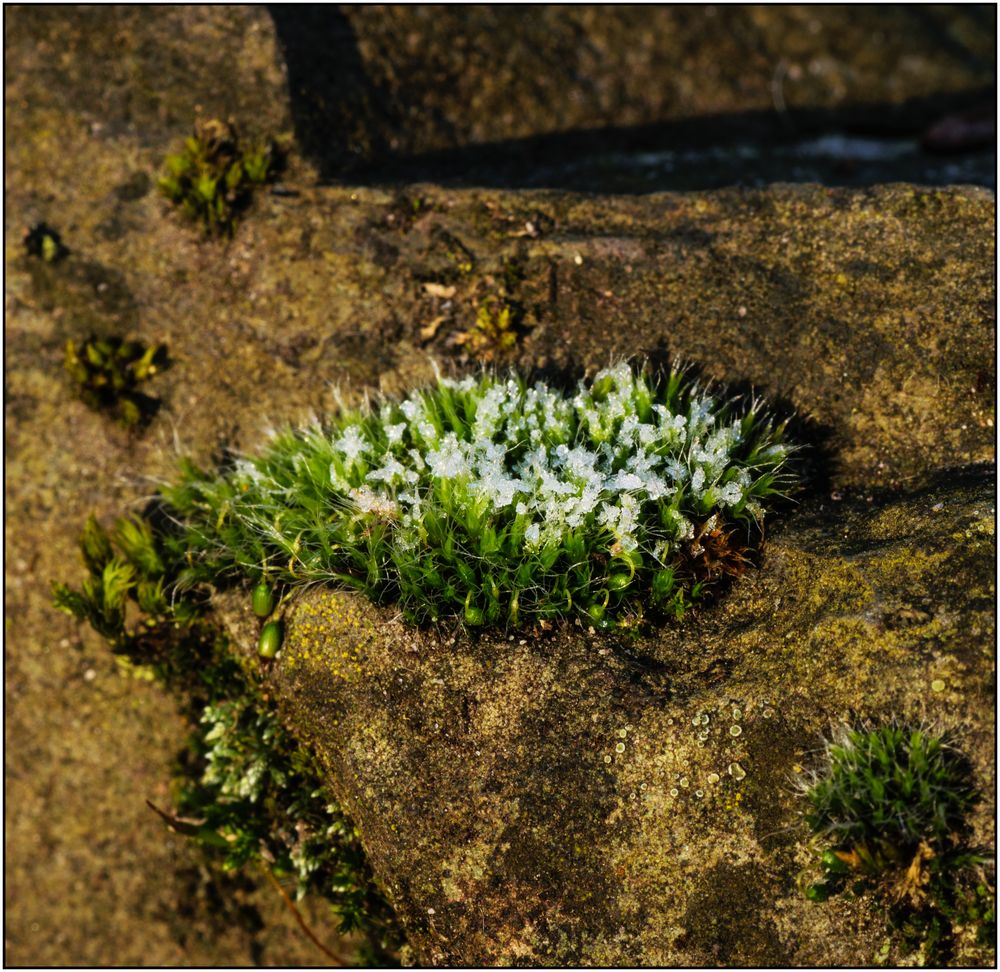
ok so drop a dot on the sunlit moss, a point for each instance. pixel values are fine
(107, 373)
(500, 501)
(212, 179)
(889, 809)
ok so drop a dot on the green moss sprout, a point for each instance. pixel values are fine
(107, 372)
(500, 316)
(126, 566)
(212, 179)
(889, 809)
(494, 333)
(499, 501)
(45, 243)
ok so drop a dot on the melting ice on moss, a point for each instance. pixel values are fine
(496, 499)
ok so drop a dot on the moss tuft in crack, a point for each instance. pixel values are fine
(888, 809)
(44, 243)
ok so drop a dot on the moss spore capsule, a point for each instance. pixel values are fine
(263, 600)
(473, 615)
(270, 639)
(833, 864)
(619, 581)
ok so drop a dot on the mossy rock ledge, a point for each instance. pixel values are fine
(550, 799)
(475, 769)
(516, 793)
(575, 798)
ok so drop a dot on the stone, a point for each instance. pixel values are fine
(478, 769)
(870, 313)
(144, 74)
(369, 84)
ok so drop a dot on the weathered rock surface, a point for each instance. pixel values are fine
(577, 799)
(141, 72)
(377, 82)
(869, 312)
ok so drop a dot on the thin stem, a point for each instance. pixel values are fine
(338, 960)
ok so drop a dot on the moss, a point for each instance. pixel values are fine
(213, 178)
(494, 335)
(107, 374)
(889, 807)
(503, 502)
(522, 784)
(245, 789)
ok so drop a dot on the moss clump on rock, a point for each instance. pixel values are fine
(213, 177)
(494, 333)
(106, 373)
(885, 792)
(892, 804)
(499, 501)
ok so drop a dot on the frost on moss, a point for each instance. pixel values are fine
(499, 501)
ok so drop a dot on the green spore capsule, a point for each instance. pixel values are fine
(619, 581)
(263, 600)
(270, 639)
(833, 864)
(473, 615)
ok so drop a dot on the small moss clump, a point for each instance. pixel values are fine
(501, 502)
(213, 178)
(889, 809)
(107, 372)
(494, 333)
(127, 565)
(256, 797)
(500, 317)
(45, 243)
(888, 790)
